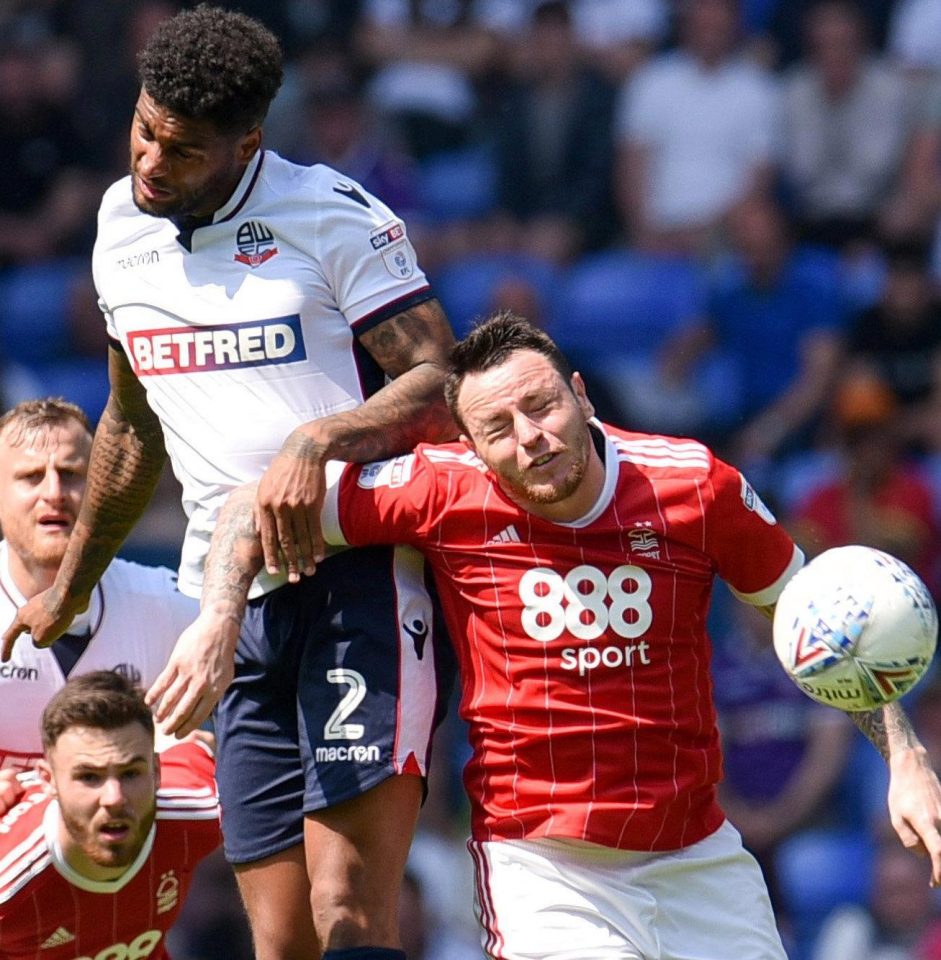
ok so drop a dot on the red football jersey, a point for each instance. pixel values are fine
(583, 646)
(49, 911)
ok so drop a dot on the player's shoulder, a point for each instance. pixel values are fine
(24, 850)
(454, 456)
(660, 453)
(309, 183)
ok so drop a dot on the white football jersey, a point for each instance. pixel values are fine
(246, 328)
(135, 616)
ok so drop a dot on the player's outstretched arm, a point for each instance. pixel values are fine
(127, 457)
(914, 790)
(412, 348)
(203, 661)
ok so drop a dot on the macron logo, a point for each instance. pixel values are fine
(224, 347)
(507, 535)
(59, 939)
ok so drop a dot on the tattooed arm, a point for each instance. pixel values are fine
(412, 348)
(914, 790)
(127, 457)
(203, 659)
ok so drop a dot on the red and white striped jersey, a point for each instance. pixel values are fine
(583, 646)
(49, 911)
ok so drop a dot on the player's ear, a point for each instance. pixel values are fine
(249, 144)
(44, 770)
(466, 440)
(581, 395)
(156, 770)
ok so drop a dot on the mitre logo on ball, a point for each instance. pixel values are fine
(855, 628)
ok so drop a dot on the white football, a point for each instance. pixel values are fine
(855, 628)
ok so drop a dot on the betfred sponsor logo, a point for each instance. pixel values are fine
(224, 347)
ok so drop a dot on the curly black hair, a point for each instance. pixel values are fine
(213, 64)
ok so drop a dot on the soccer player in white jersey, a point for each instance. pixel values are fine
(575, 562)
(265, 317)
(97, 856)
(135, 614)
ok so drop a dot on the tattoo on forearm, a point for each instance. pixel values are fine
(235, 556)
(124, 469)
(887, 728)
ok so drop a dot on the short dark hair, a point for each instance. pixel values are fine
(213, 64)
(29, 416)
(490, 343)
(101, 700)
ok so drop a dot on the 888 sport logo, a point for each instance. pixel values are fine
(586, 603)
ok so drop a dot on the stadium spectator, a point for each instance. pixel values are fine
(98, 855)
(338, 129)
(898, 339)
(847, 119)
(554, 148)
(135, 613)
(575, 563)
(427, 58)
(617, 37)
(309, 287)
(48, 183)
(878, 498)
(696, 131)
(913, 212)
(902, 920)
(915, 35)
(775, 317)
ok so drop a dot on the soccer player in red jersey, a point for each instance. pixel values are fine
(97, 854)
(575, 562)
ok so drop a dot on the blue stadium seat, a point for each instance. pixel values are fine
(623, 301)
(34, 303)
(818, 870)
(467, 287)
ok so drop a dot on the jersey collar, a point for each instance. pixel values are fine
(242, 192)
(610, 479)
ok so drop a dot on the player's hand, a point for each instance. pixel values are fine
(197, 674)
(10, 790)
(287, 508)
(45, 618)
(915, 805)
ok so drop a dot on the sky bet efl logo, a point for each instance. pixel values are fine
(204, 349)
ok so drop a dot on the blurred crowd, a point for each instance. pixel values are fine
(728, 212)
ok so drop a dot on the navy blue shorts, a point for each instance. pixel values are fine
(340, 682)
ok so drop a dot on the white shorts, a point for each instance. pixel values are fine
(554, 899)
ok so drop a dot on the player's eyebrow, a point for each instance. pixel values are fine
(85, 767)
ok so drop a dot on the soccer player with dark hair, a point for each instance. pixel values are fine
(265, 317)
(575, 562)
(98, 853)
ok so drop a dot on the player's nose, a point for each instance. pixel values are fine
(112, 793)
